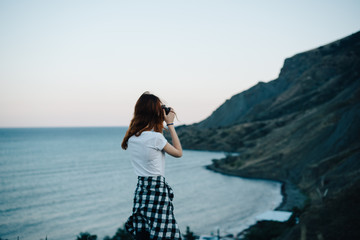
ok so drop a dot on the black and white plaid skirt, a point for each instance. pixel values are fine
(153, 210)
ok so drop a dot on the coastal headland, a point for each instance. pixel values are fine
(301, 129)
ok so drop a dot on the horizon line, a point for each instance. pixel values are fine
(93, 126)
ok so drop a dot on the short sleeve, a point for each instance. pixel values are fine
(160, 142)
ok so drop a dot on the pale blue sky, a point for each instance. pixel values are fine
(85, 63)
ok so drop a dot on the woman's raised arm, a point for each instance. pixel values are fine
(174, 150)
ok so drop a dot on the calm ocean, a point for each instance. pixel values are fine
(58, 182)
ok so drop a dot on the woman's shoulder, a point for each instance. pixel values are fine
(152, 134)
(149, 134)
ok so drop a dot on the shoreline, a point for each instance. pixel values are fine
(292, 195)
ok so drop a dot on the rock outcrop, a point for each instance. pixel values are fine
(302, 128)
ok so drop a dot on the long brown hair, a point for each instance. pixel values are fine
(148, 115)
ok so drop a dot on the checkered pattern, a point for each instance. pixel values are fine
(153, 210)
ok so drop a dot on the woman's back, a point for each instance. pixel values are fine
(147, 156)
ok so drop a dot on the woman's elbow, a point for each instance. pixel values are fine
(178, 154)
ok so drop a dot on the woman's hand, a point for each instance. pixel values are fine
(170, 117)
(175, 149)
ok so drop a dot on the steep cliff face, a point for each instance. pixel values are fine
(302, 128)
(306, 80)
(237, 109)
(314, 84)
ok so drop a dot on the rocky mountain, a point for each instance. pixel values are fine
(302, 128)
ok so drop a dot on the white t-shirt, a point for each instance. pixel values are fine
(147, 155)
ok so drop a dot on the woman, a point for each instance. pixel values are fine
(152, 216)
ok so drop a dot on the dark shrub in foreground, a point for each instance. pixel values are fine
(86, 236)
(121, 234)
(265, 230)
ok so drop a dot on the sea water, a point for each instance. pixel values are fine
(58, 182)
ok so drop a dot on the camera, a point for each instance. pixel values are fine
(167, 109)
